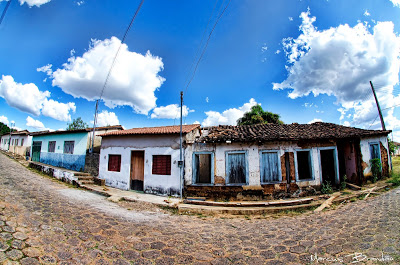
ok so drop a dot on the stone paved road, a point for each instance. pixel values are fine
(44, 221)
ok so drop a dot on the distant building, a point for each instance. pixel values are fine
(19, 143)
(67, 149)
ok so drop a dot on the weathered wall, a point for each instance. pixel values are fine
(151, 145)
(60, 174)
(253, 158)
(92, 164)
(366, 154)
(75, 161)
(18, 149)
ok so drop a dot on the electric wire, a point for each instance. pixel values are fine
(5, 11)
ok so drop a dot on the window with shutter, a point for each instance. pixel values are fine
(114, 163)
(52, 146)
(270, 171)
(69, 147)
(161, 165)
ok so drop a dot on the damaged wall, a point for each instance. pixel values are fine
(253, 158)
(366, 154)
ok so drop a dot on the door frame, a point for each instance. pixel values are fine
(130, 168)
(336, 166)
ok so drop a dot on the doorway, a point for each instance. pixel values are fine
(36, 148)
(328, 166)
(137, 170)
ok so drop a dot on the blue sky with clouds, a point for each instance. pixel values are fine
(305, 60)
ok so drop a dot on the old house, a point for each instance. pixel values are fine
(145, 159)
(19, 142)
(69, 149)
(262, 160)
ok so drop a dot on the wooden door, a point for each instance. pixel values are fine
(36, 148)
(137, 170)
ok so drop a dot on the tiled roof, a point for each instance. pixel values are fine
(154, 130)
(104, 128)
(282, 132)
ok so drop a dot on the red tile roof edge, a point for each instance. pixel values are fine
(154, 130)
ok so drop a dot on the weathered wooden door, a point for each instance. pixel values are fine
(137, 170)
(36, 147)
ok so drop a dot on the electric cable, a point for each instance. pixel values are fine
(5, 11)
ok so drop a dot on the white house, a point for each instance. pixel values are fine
(264, 160)
(145, 159)
(19, 142)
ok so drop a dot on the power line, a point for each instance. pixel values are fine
(205, 47)
(5, 11)
(109, 72)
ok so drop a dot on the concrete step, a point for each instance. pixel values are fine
(81, 174)
(85, 177)
(83, 182)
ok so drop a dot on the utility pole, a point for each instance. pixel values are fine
(180, 152)
(94, 126)
(379, 108)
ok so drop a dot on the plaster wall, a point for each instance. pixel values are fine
(253, 160)
(151, 145)
(365, 150)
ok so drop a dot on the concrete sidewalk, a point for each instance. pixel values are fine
(116, 195)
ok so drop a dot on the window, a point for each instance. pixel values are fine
(374, 149)
(114, 163)
(161, 165)
(304, 170)
(52, 146)
(202, 168)
(269, 165)
(12, 142)
(22, 142)
(236, 168)
(16, 142)
(69, 147)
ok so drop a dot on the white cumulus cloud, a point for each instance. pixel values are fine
(395, 2)
(31, 122)
(31, 3)
(314, 120)
(172, 111)
(340, 62)
(229, 116)
(28, 98)
(4, 120)
(133, 81)
(106, 118)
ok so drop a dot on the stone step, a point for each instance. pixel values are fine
(87, 182)
(85, 177)
(81, 174)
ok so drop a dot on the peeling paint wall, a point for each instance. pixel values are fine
(60, 174)
(366, 154)
(253, 158)
(151, 145)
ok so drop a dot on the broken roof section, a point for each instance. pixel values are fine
(154, 130)
(284, 132)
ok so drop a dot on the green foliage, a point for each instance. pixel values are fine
(258, 116)
(375, 169)
(343, 184)
(395, 180)
(326, 188)
(77, 124)
(392, 147)
(4, 129)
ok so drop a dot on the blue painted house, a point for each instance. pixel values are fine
(66, 149)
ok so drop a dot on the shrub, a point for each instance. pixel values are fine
(375, 169)
(343, 184)
(326, 188)
(395, 180)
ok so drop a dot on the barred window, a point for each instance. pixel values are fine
(52, 146)
(69, 147)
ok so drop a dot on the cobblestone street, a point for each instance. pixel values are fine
(44, 221)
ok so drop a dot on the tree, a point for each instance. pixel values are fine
(257, 115)
(392, 147)
(77, 124)
(4, 129)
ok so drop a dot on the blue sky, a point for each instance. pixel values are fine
(305, 60)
